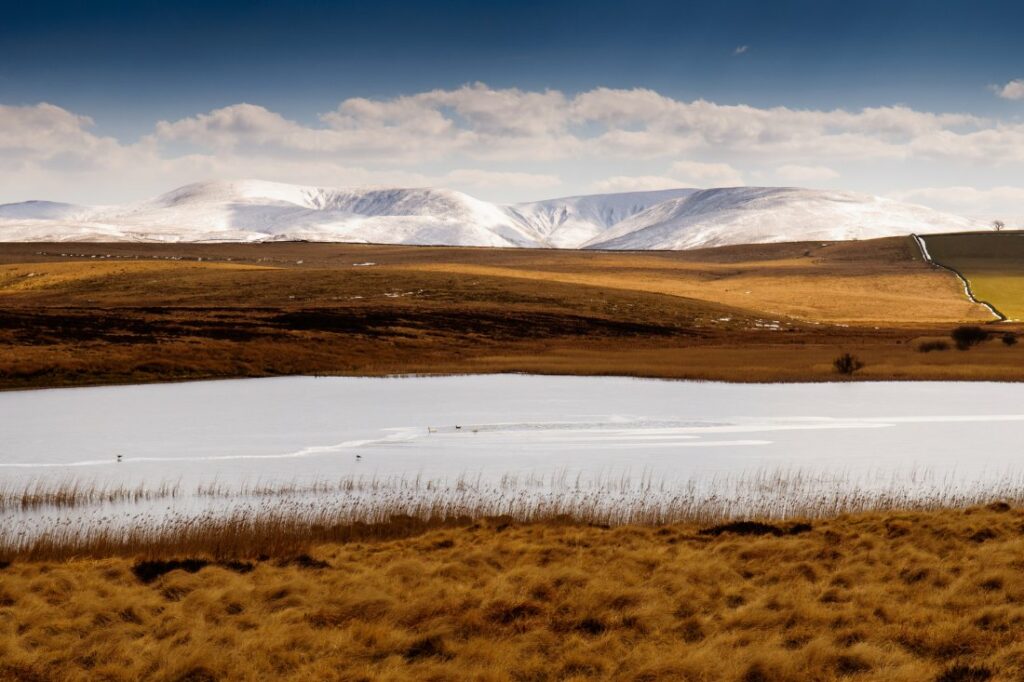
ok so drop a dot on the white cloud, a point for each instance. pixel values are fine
(1012, 90)
(741, 49)
(476, 121)
(698, 174)
(798, 174)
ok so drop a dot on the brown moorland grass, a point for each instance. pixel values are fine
(77, 314)
(915, 595)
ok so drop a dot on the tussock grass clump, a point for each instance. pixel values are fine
(906, 596)
(148, 571)
(755, 528)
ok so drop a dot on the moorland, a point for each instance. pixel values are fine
(79, 314)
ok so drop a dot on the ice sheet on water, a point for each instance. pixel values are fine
(301, 430)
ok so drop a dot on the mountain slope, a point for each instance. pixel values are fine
(40, 210)
(752, 215)
(252, 210)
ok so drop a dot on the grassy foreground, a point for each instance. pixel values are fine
(927, 595)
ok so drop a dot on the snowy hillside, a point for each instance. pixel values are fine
(569, 222)
(757, 215)
(252, 210)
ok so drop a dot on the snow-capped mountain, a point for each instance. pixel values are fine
(253, 210)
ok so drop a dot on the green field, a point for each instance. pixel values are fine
(993, 263)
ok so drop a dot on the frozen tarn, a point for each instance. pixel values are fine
(493, 438)
(252, 429)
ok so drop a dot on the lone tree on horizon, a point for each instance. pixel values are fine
(998, 225)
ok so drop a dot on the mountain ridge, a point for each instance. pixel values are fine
(682, 218)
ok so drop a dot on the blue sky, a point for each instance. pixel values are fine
(121, 68)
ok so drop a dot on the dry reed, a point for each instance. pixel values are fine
(224, 522)
(73, 493)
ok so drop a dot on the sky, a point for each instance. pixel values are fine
(111, 102)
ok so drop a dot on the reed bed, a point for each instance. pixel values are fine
(226, 523)
(69, 493)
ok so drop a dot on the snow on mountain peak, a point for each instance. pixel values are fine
(257, 210)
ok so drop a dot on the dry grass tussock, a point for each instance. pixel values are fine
(922, 595)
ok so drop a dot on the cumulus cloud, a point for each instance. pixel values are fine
(473, 120)
(48, 134)
(798, 174)
(1012, 90)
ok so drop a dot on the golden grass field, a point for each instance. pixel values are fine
(992, 262)
(75, 314)
(925, 595)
